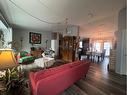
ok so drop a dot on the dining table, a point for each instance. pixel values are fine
(93, 55)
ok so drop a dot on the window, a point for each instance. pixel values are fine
(80, 44)
(97, 47)
(5, 36)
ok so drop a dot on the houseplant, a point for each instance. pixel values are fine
(14, 80)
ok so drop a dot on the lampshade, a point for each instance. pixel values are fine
(7, 59)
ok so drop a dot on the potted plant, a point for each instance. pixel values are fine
(13, 79)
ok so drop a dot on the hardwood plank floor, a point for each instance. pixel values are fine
(99, 81)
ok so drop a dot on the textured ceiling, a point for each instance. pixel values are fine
(92, 16)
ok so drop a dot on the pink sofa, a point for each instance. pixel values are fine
(55, 80)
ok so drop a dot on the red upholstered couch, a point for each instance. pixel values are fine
(55, 80)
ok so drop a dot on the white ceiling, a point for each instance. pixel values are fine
(91, 15)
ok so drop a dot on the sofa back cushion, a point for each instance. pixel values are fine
(76, 63)
(45, 73)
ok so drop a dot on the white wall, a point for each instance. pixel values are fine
(24, 35)
(121, 63)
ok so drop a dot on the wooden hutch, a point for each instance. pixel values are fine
(67, 48)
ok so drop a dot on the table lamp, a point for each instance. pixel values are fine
(7, 60)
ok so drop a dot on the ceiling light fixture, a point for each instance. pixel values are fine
(90, 15)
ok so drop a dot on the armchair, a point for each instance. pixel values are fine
(24, 57)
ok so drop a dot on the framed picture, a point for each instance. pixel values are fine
(34, 38)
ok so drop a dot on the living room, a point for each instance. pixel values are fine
(65, 32)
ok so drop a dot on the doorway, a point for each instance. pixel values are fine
(107, 47)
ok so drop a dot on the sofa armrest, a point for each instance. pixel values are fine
(32, 83)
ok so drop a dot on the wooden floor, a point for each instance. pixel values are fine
(99, 81)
